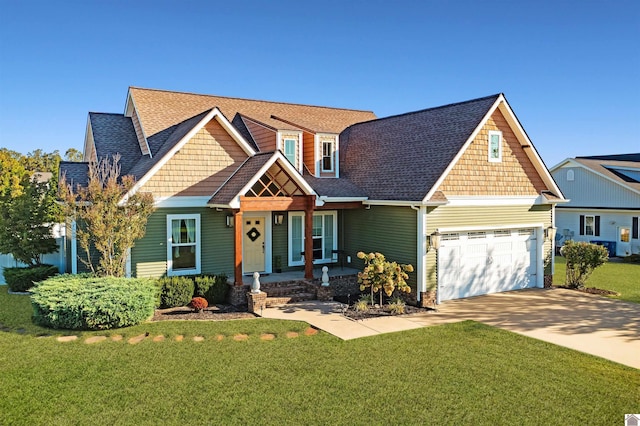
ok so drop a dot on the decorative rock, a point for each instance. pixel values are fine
(159, 338)
(267, 336)
(240, 337)
(255, 285)
(64, 339)
(137, 339)
(219, 337)
(198, 338)
(179, 338)
(95, 339)
(310, 331)
(116, 337)
(325, 276)
(292, 334)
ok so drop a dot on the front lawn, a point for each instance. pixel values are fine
(460, 373)
(623, 278)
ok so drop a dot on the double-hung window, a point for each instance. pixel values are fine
(328, 150)
(590, 225)
(324, 234)
(183, 244)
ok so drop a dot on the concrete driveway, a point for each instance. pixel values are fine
(588, 323)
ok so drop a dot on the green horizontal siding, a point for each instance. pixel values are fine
(149, 256)
(391, 231)
(490, 217)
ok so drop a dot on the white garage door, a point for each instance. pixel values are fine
(481, 262)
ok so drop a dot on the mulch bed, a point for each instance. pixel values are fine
(212, 313)
(375, 311)
(593, 290)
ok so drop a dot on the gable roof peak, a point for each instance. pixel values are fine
(405, 114)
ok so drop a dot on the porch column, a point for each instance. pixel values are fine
(237, 243)
(308, 236)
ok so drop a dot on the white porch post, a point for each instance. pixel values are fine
(74, 249)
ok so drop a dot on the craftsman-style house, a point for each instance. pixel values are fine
(245, 185)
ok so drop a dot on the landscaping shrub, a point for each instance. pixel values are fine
(581, 259)
(93, 303)
(217, 292)
(175, 291)
(396, 306)
(22, 279)
(198, 303)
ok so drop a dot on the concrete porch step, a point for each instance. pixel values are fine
(283, 300)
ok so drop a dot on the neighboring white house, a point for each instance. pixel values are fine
(56, 258)
(604, 206)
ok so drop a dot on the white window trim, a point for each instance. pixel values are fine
(333, 156)
(332, 213)
(319, 171)
(197, 269)
(499, 134)
(593, 225)
(296, 136)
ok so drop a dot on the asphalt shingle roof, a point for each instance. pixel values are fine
(159, 109)
(606, 165)
(114, 134)
(239, 179)
(401, 157)
(75, 173)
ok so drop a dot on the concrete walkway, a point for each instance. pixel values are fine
(588, 323)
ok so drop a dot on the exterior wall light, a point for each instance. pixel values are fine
(434, 240)
(550, 233)
(230, 220)
(278, 219)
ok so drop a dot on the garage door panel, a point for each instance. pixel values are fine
(487, 262)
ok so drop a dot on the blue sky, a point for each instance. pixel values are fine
(569, 69)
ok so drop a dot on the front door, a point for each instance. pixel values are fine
(623, 245)
(253, 253)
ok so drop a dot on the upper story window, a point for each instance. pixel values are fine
(328, 153)
(495, 146)
(291, 150)
(570, 176)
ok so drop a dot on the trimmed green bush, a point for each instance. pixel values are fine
(93, 303)
(22, 279)
(213, 288)
(175, 291)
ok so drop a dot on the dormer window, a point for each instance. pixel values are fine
(289, 144)
(495, 146)
(328, 152)
(290, 150)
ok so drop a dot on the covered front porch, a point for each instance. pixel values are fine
(334, 271)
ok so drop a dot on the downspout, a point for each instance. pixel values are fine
(421, 254)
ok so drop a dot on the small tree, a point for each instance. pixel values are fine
(582, 258)
(109, 218)
(379, 274)
(26, 218)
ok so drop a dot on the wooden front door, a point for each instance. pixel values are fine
(253, 240)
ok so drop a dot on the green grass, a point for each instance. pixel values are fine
(623, 278)
(464, 373)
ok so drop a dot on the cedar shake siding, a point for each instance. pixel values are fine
(473, 174)
(202, 165)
